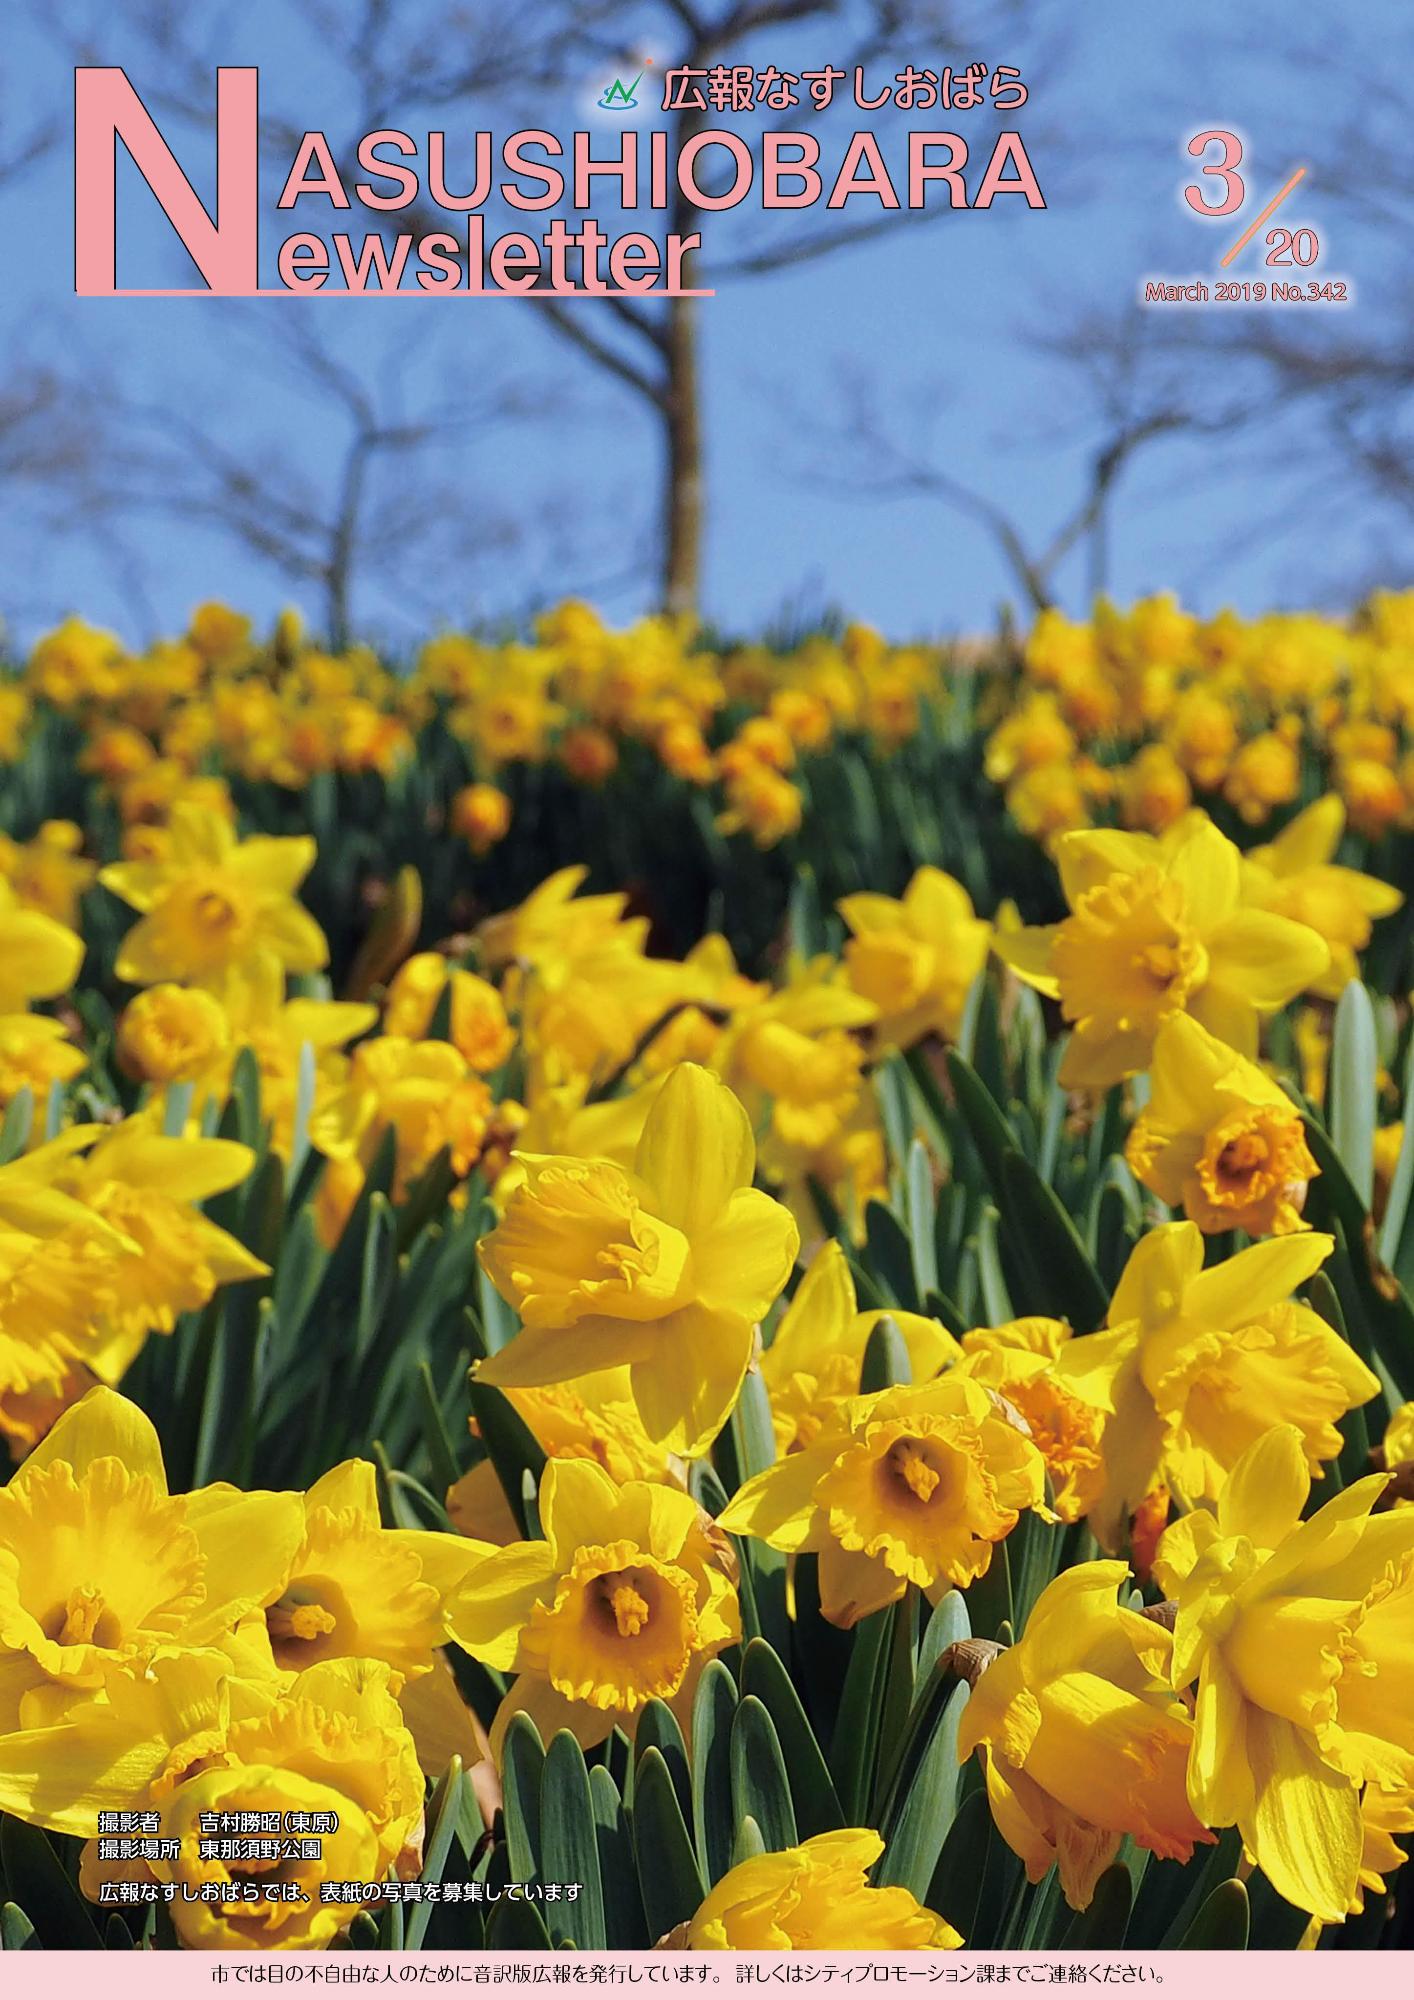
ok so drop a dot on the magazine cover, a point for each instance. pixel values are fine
(706, 1070)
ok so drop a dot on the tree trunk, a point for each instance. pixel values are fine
(683, 509)
(682, 418)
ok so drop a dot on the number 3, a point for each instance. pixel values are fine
(1224, 170)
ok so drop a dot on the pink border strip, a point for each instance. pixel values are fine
(1206, 1975)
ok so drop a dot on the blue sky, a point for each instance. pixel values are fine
(941, 321)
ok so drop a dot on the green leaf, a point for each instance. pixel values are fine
(17, 1124)
(713, 1709)
(569, 1846)
(817, 1806)
(522, 1762)
(989, 1599)
(441, 1452)
(986, 1123)
(922, 1801)
(947, 1624)
(1402, 1182)
(306, 1080)
(1276, 1925)
(17, 1933)
(1174, 1892)
(1354, 1070)
(116, 1935)
(886, 1359)
(245, 1099)
(658, 1730)
(510, 1446)
(997, 1308)
(1047, 1258)
(624, 1924)
(1033, 1550)
(38, 1882)
(1223, 1923)
(1102, 1926)
(889, 1255)
(517, 1927)
(922, 1208)
(955, 1891)
(668, 1877)
(443, 1811)
(752, 1427)
(760, 1786)
(854, 1744)
(1060, 1279)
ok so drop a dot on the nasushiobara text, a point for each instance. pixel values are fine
(443, 189)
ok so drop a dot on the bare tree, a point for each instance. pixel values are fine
(1124, 392)
(1320, 394)
(391, 510)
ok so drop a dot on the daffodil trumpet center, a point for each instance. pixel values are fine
(622, 1629)
(579, 1240)
(917, 1495)
(290, 1620)
(310, 1621)
(83, 1619)
(906, 1463)
(1129, 953)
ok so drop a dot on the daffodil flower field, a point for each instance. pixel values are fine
(666, 1292)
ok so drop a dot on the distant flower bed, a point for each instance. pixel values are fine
(740, 1298)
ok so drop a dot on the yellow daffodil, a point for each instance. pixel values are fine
(794, 1058)
(1034, 734)
(1218, 1138)
(357, 1590)
(35, 1054)
(1383, 1815)
(478, 1026)
(553, 922)
(144, 1186)
(277, 1031)
(39, 957)
(1086, 1742)
(1297, 876)
(99, 1564)
(1158, 927)
(812, 1365)
(1154, 791)
(909, 1485)
(1017, 1360)
(410, 1086)
(1399, 1437)
(215, 904)
(762, 803)
(74, 663)
(50, 1249)
(188, 1739)
(916, 956)
(49, 873)
(629, 1596)
(173, 1034)
(1265, 774)
(593, 1417)
(155, 1719)
(668, 1268)
(1196, 1364)
(815, 1897)
(1299, 1634)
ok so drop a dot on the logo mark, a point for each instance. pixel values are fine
(622, 96)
